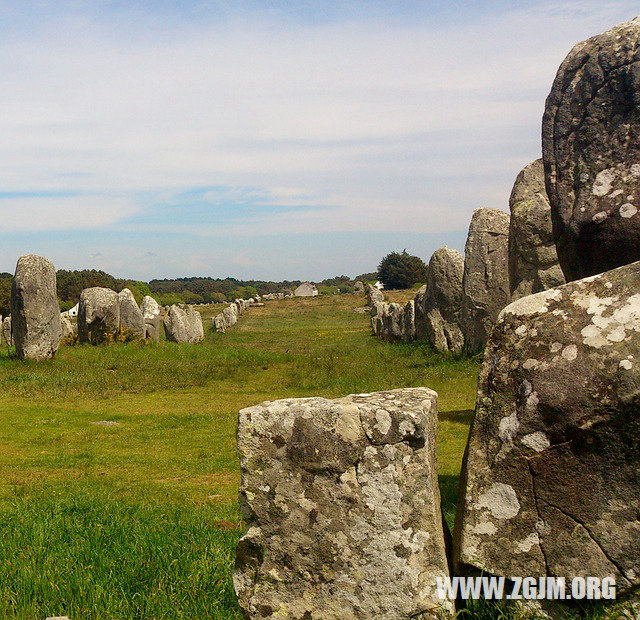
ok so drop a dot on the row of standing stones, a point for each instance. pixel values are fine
(229, 316)
(37, 327)
(341, 497)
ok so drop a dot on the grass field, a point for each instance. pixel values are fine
(139, 520)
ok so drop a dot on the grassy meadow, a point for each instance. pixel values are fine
(138, 519)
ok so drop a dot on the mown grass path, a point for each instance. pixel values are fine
(139, 520)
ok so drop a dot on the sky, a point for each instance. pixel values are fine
(268, 140)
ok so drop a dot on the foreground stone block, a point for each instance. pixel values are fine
(551, 475)
(591, 152)
(131, 317)
(533, 259)
(98, 315)
(343, 507)
(34, 309)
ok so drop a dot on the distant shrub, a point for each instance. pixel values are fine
(243, 292)
(65, 305)
(192, 298)
(168, 299)
(400, 270)
(324, 289)
(139, 289)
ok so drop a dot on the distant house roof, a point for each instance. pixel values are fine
(306, 289)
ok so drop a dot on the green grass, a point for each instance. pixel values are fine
(140, 520)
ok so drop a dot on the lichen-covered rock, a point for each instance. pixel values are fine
(376, 313)
(219, 324)
(150, 307)
(373, 294)
(409, 321)
(533, 259)
(358, 287)
(485, 281)
(131, 317)
(67, 328)
(591, 152)
(183, 324)
(551, 475)
(153, 328)
(230, 314)
(439, 307)
(342, 502)
(6, 331)
(98, 315)
(34, 309)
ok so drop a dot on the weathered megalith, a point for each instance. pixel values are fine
(342, 502)
(35, 313)
(183, 324)
(485, 281)
(591, 152)
(377, 312)
(230, 314)
(373, 294)
(551, 475)
(392, 321)
(533, 259)
(358, 287)
(98, 315)
(132, 320)
(219, 324)
(6, 330)
(439, 306)
(67, 329)
(149, 307)
(409, 321)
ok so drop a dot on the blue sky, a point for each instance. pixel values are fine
(268, 140)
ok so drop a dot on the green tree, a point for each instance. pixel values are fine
(139, 289)
(401, 270)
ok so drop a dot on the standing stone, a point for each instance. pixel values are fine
(196, 329)
(6, 330)
(98, 315)
(485, 281)
(183, 324)
(439, 307)
(34, 309)
(591, 152)
(373, 294)
(219, 324)
(67, 329)
(131, 318)
(533, 260)
(358, 287)
(153, 328)
(342, 502)
(393, 321)
(551, 475)
(230, 314)
(377, 312)
(409, 321)
(149, 307)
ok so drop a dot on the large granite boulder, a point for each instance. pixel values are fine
(132, 321)
(219, 324)
(230, 314)
(98, 315)
(373, 294)
(533, 259)
(150, 308)
(342, 503)
(183, 324)
(393, 321)
(6, 330)
(551, 475)
(35, 313)
(485, 281)
(591, 152)
(439, 306)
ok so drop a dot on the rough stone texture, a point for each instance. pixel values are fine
(34, 308)
(230, 314)
(183, 324)
(591, 152)
(342, 502)
(149, 307)
(409, 321)
(439, 307)
(377, 312)
(153, 328)
(98, 315)
(306, 289)
(485, 281)
(131, 317)
(219, 324)
(373, 294)
(67, 329)
(6, 330)
(358, 287)
(551, 474)
(533, 260)
(393, 321)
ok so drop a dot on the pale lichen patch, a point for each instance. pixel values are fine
(501, 501)
(537, 441)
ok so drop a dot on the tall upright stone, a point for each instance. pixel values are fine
(183, 324)
(551, 476)
(98, 315)
(439, 306)
(342, 503)
(131, 318)
(533, 259)
(149, 307)
(372, 294)
(35, 314)
(591, 152)
(6, 331)
(485, 281)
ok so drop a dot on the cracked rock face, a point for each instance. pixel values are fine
(183, 324)
(149, 307)
(551, 474)
(533, 259)
(591, 152)
(98, 314)
(34, 309)
(485, 281)
(438, 308)
(342, 502)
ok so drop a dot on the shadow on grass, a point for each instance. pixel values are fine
(464, 416)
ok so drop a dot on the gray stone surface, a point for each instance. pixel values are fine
(358, 287)
(551, 476)
(183, 324)
(342, 502)
(485, 281)
(98, 315)
(150, 307)
(153, 328)
(373, 294)
(533, 260)
(591, 152)
(67, 328)
(219, 324)
(230, 314)
(34, 308)
(6, 331)
(131, 317)
(439, 307)
(196, 329)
